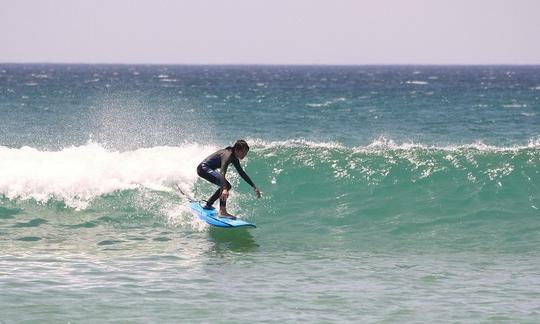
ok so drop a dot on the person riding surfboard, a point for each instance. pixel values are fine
(221, 159)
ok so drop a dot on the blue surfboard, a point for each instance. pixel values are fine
(211, 217)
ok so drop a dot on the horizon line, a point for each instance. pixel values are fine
(271, 64)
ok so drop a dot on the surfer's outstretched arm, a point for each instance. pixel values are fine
(246, 178)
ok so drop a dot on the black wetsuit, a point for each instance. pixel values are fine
(220, 160)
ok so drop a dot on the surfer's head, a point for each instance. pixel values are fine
(240, 149)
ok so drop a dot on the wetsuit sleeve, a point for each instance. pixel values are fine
(241, 172)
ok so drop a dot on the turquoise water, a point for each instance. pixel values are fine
(390, 194)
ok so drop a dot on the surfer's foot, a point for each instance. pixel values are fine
(208, 207)
(226, 215)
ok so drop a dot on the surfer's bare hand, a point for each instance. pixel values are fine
(257, 192)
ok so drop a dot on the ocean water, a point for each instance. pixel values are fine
(390, 193)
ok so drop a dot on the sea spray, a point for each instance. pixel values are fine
(77, 175)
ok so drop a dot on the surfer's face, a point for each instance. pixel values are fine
(240, 154)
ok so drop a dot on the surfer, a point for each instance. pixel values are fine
(221, 160)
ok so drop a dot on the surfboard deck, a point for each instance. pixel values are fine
(212, 218)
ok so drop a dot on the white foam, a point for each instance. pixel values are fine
(383, 143)
(77, 175)
(515, 105)
(417, 82)
(294, 143)
(181, 215)
(326, 103)
(40, 76)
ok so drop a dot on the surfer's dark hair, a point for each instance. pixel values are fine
(241, 145)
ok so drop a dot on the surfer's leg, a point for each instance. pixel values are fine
(214, 177)
(223, 204)
(213, 199)
(211, 176)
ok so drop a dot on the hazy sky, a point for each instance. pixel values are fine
(271, 31)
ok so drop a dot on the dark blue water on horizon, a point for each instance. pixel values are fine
(352, 105)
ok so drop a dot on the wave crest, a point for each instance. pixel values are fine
(77, 175)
